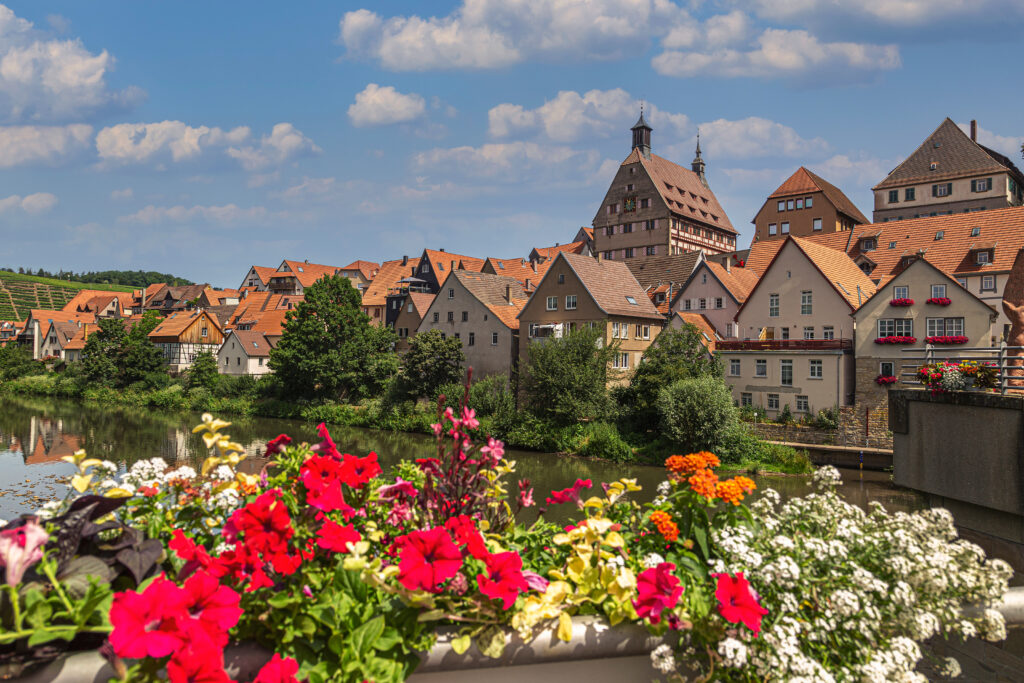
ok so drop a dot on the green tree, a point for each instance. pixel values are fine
(674, 355)
(329, 349)
(16, 361)
(431, 362)
(697, 414)
(139, 357)
(203, 373)
(101, 355)
(565, 378)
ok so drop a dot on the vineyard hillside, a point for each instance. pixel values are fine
(21, 293)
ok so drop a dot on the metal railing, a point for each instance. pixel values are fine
(783, 344)
(1002, 357)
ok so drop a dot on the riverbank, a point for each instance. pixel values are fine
(598, 440)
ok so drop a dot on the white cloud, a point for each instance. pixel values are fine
(1006, 144)
(126, 193)
(45, 80)
(570, 116)
(224, 215)
(782, 53)
(860, 170)
(753, 137)
(23, 145)
(37, 203)
(512, 162)
(381, 106)
(890, 13)
(309, 188)
(487, 34)
(285, 142)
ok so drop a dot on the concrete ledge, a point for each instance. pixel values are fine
(870, 457)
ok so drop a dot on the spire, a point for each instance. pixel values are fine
(697, 165)
(642, 135)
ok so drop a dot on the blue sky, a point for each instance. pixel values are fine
(200, 138)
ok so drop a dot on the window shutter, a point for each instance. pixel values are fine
(974, 186)
(988, 183)
(935, 190)
(949, 189)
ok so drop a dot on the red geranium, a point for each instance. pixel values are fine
(427, 559)
(322, 477)
(658, 590)
(146, 624)
(467, 535)
(195, 555)
(504, 580)
(737, 603)
(211, 607)
(197, 662)
(278, 444)
(357, 471)
(335, 537)
(278, 670)
(264, 523)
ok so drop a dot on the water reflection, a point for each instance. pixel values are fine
(35, 433)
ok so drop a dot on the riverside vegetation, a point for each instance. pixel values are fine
(331, 365)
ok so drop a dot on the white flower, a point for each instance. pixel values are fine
(616, 561)
(653, 560)
(663, 660)
(949, 668)
(734, 653)
(993, 626)
(50, 509)
(664, 488)
(223, 473)
(826, 477)
(184, 472)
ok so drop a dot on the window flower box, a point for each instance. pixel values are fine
(901, 302)
(939, 301)
(883, 380)
(896, 339)
(947, 339)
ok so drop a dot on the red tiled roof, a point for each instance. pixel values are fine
(804, 181)
(738, 281)
(254, 344)
(387, 277)
(520, 269)
(551, 252)
(421, 301)
(367, 268)
(762, 253)
(442, 261)
(702, 324)
(490, 291)
(612, 285)
(306, 273)
(171, 328)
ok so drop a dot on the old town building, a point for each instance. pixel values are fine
(716, 292)
(805, 204)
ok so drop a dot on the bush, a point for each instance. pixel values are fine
(827, 418)
(491, 395)
(203, 374)
(785, 416)
(565, 377)
(696, 414)
(237, 386)
(602, 440)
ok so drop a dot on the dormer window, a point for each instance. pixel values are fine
(984, 256)
(868, 243)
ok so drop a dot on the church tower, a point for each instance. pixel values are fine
(642, 136)
(697, 165)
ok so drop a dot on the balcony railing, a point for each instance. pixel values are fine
(784, 345)
(1004, 358)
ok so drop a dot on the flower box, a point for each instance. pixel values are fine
(886, 379)
(939, 301)
(901, 302)
(947, 339)
(896, 339)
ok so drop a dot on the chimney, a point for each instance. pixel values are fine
(527, 284)
(600, 256)
(405, 260)
(556, 244)
(534, 266)
(974, 130)
(508, 293)
(441, 250)
(306, 261)
(728, 265)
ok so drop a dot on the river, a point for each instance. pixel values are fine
(36, 432)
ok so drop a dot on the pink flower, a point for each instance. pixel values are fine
(536, 582)
(437, 428)
(570, 494)
(737, 603)
(335, 537)
(21, 547)
(495, 448)
(278, 670)
(398, 489)
(525, 493)
(278, 444)
(427, 559)
(469, 420)
(658, 590)
(146, 624)
(504, 580)
(326, 447)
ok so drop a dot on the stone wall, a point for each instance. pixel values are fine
(795, 433)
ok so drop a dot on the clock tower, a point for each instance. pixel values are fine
(642, 136)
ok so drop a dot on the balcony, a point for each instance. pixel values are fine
(785, 345)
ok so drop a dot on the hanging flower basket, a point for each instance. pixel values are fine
(883, 380)
(947, 339)
(901, 302)
(896, 339)
(939, 301)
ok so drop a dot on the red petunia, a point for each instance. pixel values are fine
(211, 607)
(335, 537)
(737, 603)
(264, 523)
(197, 662)
(466, 534)
(278, 670)
(427, 559)
(357, 471)
(146, 624)
(504, 580)
(322, 477)
(278, 444)
(326, 447)
(570, 494)
(658, 590)
(195, 555)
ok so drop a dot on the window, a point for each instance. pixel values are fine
(631, 301)
(800, 203)
(808, 333)
(609, 255)
(437, 316)
(806, 303)
(773, 305)
(458, 335)
(785, 332)
(612, 209)
(627, 227)
(901, 292)
(552, 303)
(908, 194)
(570, 302)
(954, 326)
(686, 304)
(786, 372)
(936, 327)
(645, 203)
(719, 302)
(451, 293)
(734, 367)
(451, 316)
(702, 304)
(772, 228)
(621, 361)
(809, 202)
(409, 310)
(227, 361)
(561, 278)
(789, 205)
(886, 327)
(627, 253)
(760, 368)
(773, 401)
(900, 327)
(894, 196)
(938, 291)
(746, 399)
(802, 404)
(652, 251)
(988, 283)
(984, 256)
(867, 244)
(887, 368)
(494, 338)
(204, 333)
(465, 316)
(646, 329)
(782, 206)
(962, 281)
(785, 227)
(817, 224)
(942, 190)
(629, 187)
(975, 232)
(610, 230)
(637, 336)
(815, 369)
(981, 185)
(615, 330)
(827, 332)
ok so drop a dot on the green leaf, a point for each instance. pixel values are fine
(700, 535)
(491, 642)
(75, 576)
(40, 637)
(461, 644)
(430, 615)
(37, 609)
(280, 600)
(363, 638)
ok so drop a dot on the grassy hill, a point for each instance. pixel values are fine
(21, 293)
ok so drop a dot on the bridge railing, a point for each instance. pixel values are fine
(1001, 357)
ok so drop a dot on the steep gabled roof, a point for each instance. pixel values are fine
(884, 291)
(612, 285)
(442, 261)
(803, 181)
(739, 282)
(46, 316)
(77, 342)
(264, 273)
(64, 330)
(551, 252)
(254, 344)
(368, 269)
(171, 327)
(657, 270)
(707, 330)
(683, 191)
(762, 253)
(954, 154)
(388, 276)
(490, 291)
(306, 273)
(421, 302)
(521, 269)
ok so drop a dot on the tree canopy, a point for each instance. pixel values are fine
(431, 362)
(565, 377)
(116, 356)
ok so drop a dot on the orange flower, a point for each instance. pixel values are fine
(734, 490)
(666, 527)
(704, 483)
(682, 465)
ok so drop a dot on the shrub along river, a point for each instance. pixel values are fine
(36, 433)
